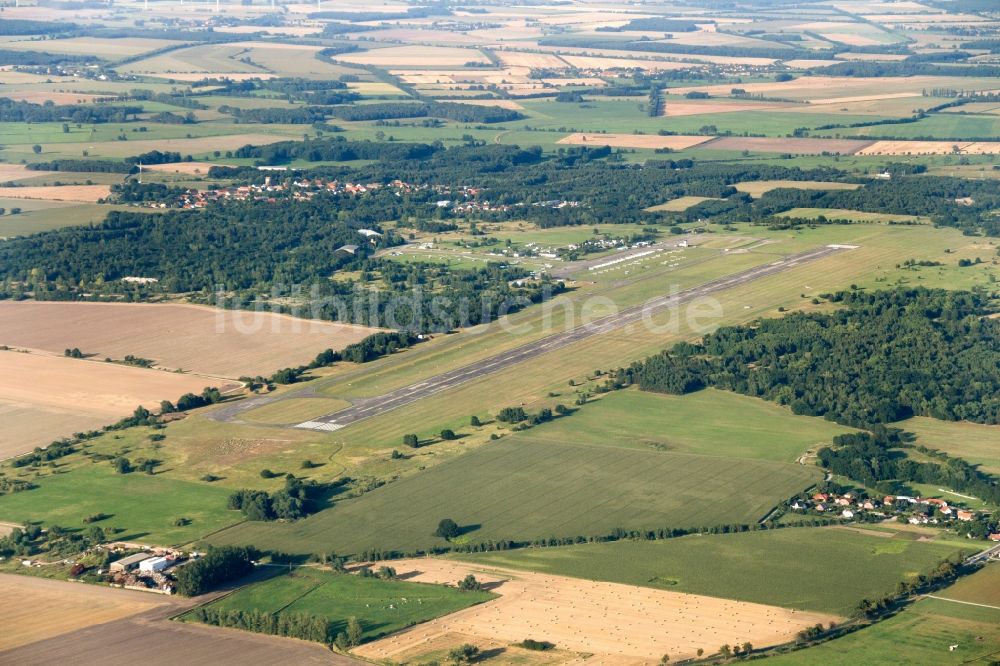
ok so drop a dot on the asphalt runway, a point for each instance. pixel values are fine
(365, 408)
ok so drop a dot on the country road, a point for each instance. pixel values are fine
(365, 408)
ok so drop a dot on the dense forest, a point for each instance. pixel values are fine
(244, 250)
(234, 247)
(881, 357)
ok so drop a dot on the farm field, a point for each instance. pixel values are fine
(708, 422)
(194, 338)
(680, 204)
(634, 141)
(80, 392)
(520, 488)
(59, 621)
(382, 606)
(851, 215)
(221, 138)
(78, 193)
(921, 634)
(982, 587)
(37, 609)
(931, 148)
(112, 49)
(788, 145)
(419, 57)
(37, 215)
(777, 567)
(609, 622)
(759, 188)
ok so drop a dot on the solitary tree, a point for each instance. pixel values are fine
(470, 584)
(354, 632)
(36, 149)
(411, 441)
(447, 529)
(448, 434)
(474, 421)
(464, 654)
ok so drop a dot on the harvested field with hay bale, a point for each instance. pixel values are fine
(608, 620)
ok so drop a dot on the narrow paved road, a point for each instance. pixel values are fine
(365, 408)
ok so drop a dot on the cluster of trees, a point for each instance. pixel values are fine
(298, 115)
(336, 149)
(296, 500)
(874, 459)
(292, 625)
(42, 59)
(884, 357)
(133, 191)
(90, 166)
(465, 113)
(219, 565)
(656, 23)
(14, 111)
(866, 69)
(157, 157)
(29, 27)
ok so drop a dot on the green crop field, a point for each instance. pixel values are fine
(520, 489)
(37, 215)
(825, 569)
(381, 606)
(921, 634)
(709, 422)
(943, 126)
(982, 587)
(143, 508)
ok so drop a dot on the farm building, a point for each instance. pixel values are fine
(154, 564)
(128, 563)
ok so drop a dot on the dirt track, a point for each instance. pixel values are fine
(617, 623)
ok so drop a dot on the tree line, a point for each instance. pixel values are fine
(14, 111)
(465, 113)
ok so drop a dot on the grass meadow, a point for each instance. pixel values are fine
(709, 422)
(825, 569)
(143, 508)
(975, 442)
(920, 634)
(519, 488)
(381, 606)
